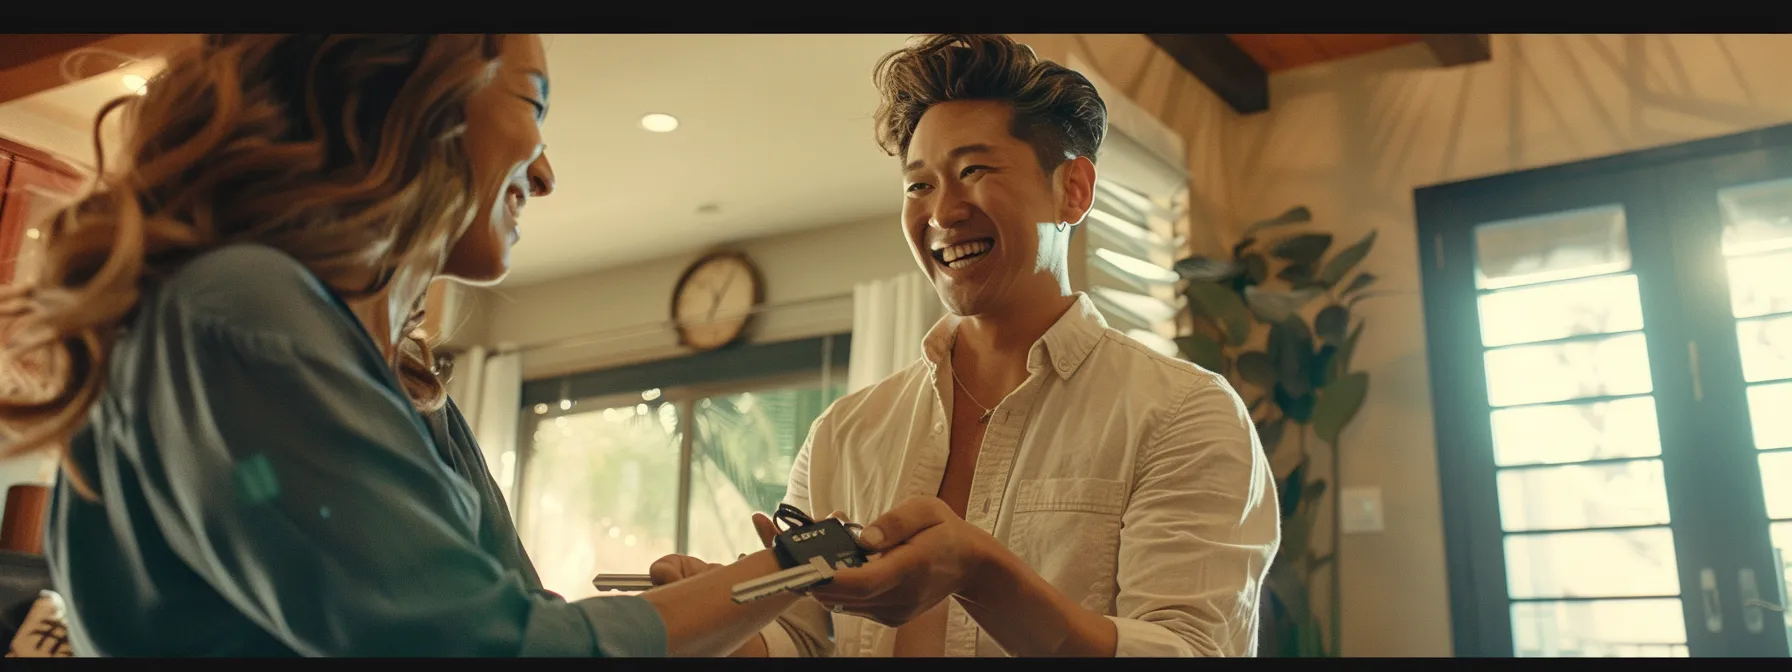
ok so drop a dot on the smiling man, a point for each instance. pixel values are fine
(1039, 484)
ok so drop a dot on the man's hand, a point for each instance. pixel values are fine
(927, 554)
(677, 567)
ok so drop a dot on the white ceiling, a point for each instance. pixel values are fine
(774, 130)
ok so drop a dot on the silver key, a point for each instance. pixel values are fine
(628, 583)
(795, 578)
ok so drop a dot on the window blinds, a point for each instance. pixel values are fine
(1133, 238)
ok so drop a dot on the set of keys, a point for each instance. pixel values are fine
(810, 551)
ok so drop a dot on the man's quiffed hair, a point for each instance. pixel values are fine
(1056, 110)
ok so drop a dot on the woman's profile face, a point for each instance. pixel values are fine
(509, 161)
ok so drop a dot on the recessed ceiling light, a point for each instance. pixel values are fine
(137, 84)
(659, 123)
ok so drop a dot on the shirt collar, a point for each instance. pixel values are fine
(1065, 346)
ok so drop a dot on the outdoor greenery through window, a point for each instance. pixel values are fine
(611, 483)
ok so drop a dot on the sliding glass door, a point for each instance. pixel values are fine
(1734, 239)
(1600, 336)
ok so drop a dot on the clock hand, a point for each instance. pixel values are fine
(718, 302)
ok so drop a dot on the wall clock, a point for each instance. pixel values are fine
(713, 300)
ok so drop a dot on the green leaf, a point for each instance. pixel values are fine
(1203, 351)
(1313, 492)
(1254, 367)
(1224, 305)
(1298, 408)
(1334, 270)
(1294, 215)
(1289, 587)
(1290, 350)
(1204, 324)
(1204, 269)
(1338, 403)
(1349, 349)
(1274, 307)
(1332, 323)
(1363, 279)
(1299, 276)
(1256, 268)
(1320, 369)
(1305, 248)
(1270, 434)
(1290, 487)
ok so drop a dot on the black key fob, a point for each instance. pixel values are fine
(828, 539)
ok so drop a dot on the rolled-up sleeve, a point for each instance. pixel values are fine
(1198, 533)
(303, 487)
(805, 630)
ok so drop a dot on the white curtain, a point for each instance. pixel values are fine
(500, 399)
(889, 319)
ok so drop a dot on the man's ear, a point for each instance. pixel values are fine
(1077, 187)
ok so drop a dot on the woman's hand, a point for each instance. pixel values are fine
(677, 567)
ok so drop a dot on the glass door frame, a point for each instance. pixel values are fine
(1723, 412)
(1702, 493)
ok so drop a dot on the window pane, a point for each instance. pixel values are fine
(1755, 217)
(1560, 433)
(1579, 496)
(1767, 406)
(1558, 246)
(1776, 479)
(1603, 563)
(1766, 348)
(743, 449)
(1761, 285)
(1561, 371)
(601, 494)
(1601, 305)
(1599, 629)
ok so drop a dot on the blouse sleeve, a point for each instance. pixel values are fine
(303, 487)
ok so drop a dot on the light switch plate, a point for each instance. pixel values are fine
(1361, 507)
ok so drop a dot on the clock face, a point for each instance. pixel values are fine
(712, 303)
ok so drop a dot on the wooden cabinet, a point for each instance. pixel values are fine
(33, 184)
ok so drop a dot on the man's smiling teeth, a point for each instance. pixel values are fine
(963, 254)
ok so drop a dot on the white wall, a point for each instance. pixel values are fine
(1352, 140)
(633, 302)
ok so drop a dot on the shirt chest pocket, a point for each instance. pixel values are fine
(1068, 530)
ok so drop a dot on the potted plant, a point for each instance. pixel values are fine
(1298, 383)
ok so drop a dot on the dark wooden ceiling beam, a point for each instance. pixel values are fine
(1462, 49)
(1226, 69)
(33, 63)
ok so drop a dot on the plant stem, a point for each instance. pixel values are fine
(1337, 588)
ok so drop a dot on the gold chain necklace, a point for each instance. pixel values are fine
(967, 394)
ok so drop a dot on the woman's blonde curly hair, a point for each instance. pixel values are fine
(344, 151)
